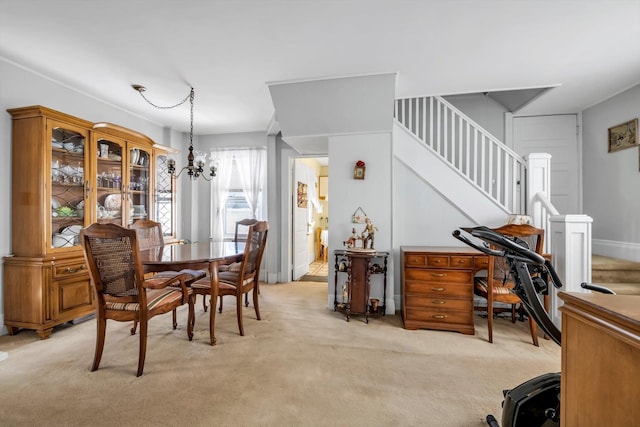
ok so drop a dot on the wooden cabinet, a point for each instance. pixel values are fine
(123, 182)
(600, 360)
(352, 282)
(437, 287)
(58, 188)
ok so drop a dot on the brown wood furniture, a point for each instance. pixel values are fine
(122, 292)
(600, 360)
(496, 286)
(194, 256)
(244, 280)
(68, 173)
(245, 223)
(321, 250)
(437, 287)
(356, 269)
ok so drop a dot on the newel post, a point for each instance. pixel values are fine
(571, 249)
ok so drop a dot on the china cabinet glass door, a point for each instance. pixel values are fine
(139, 183)
(109, 178)
(68, 184)
(164, 197)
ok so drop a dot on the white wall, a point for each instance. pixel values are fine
(372, 194)
(611, 181)
(483, 110)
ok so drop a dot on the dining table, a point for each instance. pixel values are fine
(194, 256)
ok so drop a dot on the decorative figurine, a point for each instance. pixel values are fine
(352, 241)
(368, 234)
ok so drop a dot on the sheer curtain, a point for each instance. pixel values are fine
(251, 165)
(219, 193)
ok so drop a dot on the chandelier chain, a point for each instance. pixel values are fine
(161, 107)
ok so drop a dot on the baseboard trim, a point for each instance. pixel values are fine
(613, 249)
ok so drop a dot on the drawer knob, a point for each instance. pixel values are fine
(438, 275)
(439, 316)
(438, 302)
(437, 289)
(74, 270)
(438, 261)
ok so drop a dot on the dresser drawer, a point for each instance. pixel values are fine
(482, 262)
(426, 301)
(63, 270)
(461, 262)
(439, 316)
(435, 275)
(438, 290)
(437, 261)
(415, 260)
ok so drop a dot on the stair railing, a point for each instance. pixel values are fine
(541, 210)
(490, 165)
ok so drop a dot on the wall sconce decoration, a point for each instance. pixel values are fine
(358, 170)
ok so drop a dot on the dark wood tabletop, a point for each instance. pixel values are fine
(191, 255)
(194, 256)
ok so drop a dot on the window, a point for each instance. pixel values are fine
(236, 206)
(235, 209)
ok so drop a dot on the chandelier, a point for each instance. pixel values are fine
(195, 163)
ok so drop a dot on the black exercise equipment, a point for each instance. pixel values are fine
(536, 402)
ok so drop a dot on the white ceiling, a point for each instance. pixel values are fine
(229, 50)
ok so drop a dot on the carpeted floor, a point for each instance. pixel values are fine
(301, 365)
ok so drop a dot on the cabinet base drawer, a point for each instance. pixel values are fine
(447, 320)
(438, 290)
(454, 327)
(439, 303)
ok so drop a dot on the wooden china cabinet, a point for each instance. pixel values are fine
(66, 174)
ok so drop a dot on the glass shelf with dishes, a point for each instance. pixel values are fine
(68, 181)
(139, 182)
(108, 185)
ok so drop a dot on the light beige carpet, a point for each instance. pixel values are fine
(302, 365)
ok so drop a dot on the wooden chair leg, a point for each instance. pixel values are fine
(219, 309)
(546, 308)
(100, 336)
(534, 331)
(175, 319)
(191, 320)
(143, 345)
(134, 327)
(204, 303)
(255, 302)
(490, 322)
(239, 314)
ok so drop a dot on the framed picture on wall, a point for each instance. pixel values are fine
(624, 135)
(302, 195)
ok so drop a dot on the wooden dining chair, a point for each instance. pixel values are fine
(497, 286)
(150, 236)
(243, 281)
(235, 266)
(123, 294)
(246, 222)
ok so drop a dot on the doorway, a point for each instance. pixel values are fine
(310, 222)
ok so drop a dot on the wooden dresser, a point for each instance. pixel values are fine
(437, 287)
(600, 360)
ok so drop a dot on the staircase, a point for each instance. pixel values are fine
(621, 276)
(486, 163)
